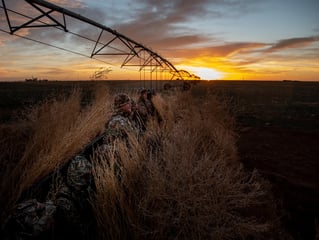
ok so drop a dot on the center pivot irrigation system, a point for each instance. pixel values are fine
(39, 14)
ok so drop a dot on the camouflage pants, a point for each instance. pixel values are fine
(30, 220)
(74, 217)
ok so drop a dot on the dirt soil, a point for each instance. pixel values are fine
(289, 158)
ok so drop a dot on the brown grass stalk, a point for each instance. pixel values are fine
(61, 128)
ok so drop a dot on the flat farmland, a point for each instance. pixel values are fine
(278, 134)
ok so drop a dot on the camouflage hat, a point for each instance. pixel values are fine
(143, 90)
(79, 173)
(120, 100)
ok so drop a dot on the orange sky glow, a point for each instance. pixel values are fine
(211, 39)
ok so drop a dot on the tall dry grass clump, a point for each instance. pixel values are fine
(116, 174)
(60, 128)
(182, 180)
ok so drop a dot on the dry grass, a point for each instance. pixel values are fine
(180, 181)
(191, 186)
(59, 129)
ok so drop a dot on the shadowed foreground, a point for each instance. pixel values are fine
(289, 159)
(180, 181)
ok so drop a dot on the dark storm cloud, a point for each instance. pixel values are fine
(293, 43)
(162, 19)
(154, 23)
(177, 41)
(249, 53)
(232, 48)
(295, 58)
(224, 50)
(178, 11)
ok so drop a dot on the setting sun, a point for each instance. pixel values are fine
(203, 72)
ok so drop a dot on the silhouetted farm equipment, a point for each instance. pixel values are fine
(106, 43)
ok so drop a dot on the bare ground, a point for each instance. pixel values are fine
(289, 158)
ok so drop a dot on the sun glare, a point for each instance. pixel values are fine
(204, 73)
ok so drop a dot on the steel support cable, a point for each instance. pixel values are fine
(64, 49)
(59, 28)
(57, 47)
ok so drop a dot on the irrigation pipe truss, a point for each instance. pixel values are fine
(135, 54)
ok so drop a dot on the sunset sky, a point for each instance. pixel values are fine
(214, 39)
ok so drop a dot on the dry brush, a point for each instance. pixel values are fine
(180, 180)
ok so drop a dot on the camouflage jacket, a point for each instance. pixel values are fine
(30, 219)
(74, 213)
(144, 108)
(118, 127)
(138, 122)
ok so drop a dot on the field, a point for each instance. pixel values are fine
(279, 135)
(276, 132)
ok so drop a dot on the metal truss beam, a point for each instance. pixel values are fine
(129, 48)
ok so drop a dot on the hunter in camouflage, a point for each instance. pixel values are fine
(31, 219)
(74, 212)
(120, 125)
